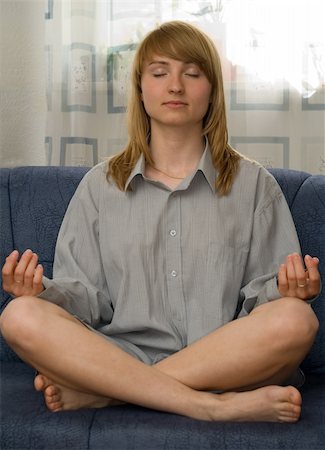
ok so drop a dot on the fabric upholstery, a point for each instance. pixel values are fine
(26, 424)
(306, 198)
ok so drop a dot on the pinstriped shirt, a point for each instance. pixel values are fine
(157, 268)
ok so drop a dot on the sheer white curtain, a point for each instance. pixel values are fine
(273, 54)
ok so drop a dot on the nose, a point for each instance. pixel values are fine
(176, 85)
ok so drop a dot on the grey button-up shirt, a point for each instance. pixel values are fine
(158, 268)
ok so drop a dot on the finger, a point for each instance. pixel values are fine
(20, 270)
(291, 273)
(283, 284)
(299, 267)
(313, 274)
(38, 280)
(312, 267)
(8, 270)
(30, 271)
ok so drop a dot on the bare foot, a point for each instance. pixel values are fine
(59, 398)
(267, 404)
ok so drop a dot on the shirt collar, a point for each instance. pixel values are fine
(138, 169)
(205, 166)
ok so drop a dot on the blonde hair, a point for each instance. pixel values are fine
(184, 42)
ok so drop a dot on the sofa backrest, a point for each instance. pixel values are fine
(33, 204)
(306, 198)
(34, 201)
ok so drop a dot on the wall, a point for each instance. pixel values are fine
(22, 83)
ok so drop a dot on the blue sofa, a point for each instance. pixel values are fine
(33, 202)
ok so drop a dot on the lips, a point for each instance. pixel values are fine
(175, 103)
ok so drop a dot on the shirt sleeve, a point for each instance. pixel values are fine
(273, 237)
(79, 283)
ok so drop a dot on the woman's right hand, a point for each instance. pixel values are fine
(22, 276)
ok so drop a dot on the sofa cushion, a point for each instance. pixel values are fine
(290, 182)
(308, 212)
(26, 424)
(33, 203)
(39, 197)
(6, 238)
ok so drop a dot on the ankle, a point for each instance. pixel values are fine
(203, 408)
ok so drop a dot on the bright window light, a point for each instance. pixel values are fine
(278, 39)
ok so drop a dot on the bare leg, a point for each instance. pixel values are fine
(97, 368)
(271, 351)
(268, 359)
(270, 404)
(76, 359)
(263, 348)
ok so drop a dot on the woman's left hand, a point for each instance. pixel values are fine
(294, 280)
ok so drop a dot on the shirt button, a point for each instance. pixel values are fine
(173, 233)
(173, 273)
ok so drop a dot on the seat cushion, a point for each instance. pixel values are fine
(26, 424)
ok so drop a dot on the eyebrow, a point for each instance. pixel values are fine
(166, 63)
(159, 62)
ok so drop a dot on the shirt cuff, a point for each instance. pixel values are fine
(268, 293)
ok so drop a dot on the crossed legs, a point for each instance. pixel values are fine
(81, 369)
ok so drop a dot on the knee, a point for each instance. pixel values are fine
(296, 322)
(19, 319)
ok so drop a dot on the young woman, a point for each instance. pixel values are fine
(177, 270)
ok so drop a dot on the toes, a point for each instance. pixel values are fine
(51, 390)
(295, 396)
(55, 406)
(289, 416)
(52, 396)
(285, 402)
(41, 382)
(294, 411)
(290, 412)
(53, 399)
(288, 419)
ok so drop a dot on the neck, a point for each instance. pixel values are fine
(176, 154)
(173, 177)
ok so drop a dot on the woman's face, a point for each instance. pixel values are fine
(174, 93)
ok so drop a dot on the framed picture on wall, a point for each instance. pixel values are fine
(119, 62)
(313, 154)
(48, 150)
(314, 77)
(79, 77)
(78, 151)
(49, 77)
(49, 11)
(270, 151)
(315, 101)
(249, 92)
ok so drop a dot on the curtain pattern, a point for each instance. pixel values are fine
(273, 57)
